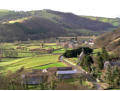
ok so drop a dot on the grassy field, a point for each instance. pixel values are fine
(73, 60)
(97, 50)
(59, 51)
(31, 62)
(25, 49)
(30, 59)
(56, 64)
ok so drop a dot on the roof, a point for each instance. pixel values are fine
(66, 72)
(64, 68)
(52, 69)
(116, 63)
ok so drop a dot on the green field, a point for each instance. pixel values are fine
(59, 51)
(56, 64)
(31, 62)
(97, 50)
(29, 59)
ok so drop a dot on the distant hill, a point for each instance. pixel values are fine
(35, 28)
(109, 40)
(113, 21)
(46, 24)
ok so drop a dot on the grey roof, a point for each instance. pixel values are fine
(116, 63)
(67, 72)
(63, 68)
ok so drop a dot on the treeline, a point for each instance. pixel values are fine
(77, 52)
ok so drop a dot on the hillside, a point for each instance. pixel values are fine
(42, 24)
(109, 40)
(34, 29)
(113, 21)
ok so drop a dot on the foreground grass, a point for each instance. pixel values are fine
(31, 62)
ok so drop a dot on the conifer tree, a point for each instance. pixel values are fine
(100, 62)
(104, 54)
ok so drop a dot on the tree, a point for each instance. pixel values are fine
(108, 75)
(100, 62)
(42, 45)
(112, 76)
(76, 52)
(1, 54)
(95, 71)
(86, 63)
(104, 54)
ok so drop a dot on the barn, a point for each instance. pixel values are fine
(34, 77)
(66, 74)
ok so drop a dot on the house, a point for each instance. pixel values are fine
(90, 42)
(111, 63)
(69, 44)
(60, 58)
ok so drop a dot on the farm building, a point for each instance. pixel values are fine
(35, 77)
(66, 74)
(39, 76)
(69, 44)
(64, 68)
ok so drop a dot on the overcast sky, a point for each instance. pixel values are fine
(103, 8)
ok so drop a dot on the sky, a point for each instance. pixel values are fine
(102, 8)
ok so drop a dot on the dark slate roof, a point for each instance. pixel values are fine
(66, 72)
(113, 63)
(63, 68)
(117, 63)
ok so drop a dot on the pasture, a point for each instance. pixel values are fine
(25, 49)
(38, 62)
